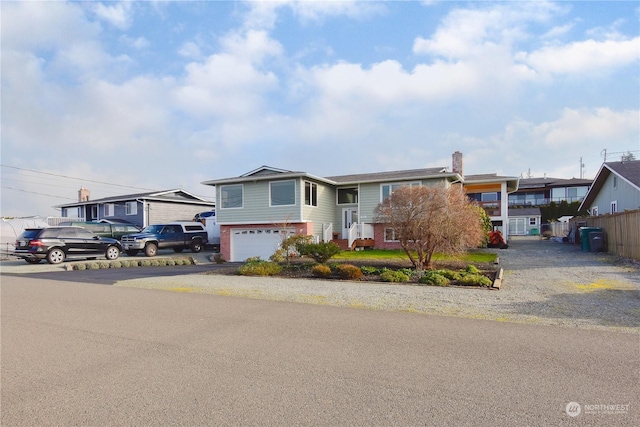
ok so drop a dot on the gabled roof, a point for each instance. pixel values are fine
(176, 195)
(393, 176)
(628, 171)
(268, 173)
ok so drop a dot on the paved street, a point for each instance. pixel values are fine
(80, 354)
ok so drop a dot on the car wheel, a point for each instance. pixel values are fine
(112, 253)
(151, 249)
(132, 252)
(178, 250)
(196, 246)
(33, 260)
(55, 256)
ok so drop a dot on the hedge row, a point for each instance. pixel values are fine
(128, 263)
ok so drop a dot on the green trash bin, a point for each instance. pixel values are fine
(534, 231)
(584, 237)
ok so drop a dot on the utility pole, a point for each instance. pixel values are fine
(581, 169)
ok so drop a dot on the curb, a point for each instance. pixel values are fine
(498, 282)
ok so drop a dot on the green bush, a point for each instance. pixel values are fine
(449, 274)
(475, 280)
(93, 266)
(407, 271)
(394, 276)
(171, 262)
(349, 272)
(116, 264)
(104, 264)
(145, 263)
(258, 267)
(434, 278)
(79, 267)
(321, 270)
(319, 252)
(370, 271)
(472, 269)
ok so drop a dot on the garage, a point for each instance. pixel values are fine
(252, 242)
(517, 227)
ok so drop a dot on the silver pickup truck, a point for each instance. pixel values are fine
(175, 235)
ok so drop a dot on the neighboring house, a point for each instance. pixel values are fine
(139, 209)
(616, 188)
(257, 210)
(524, 221)
(542, 191)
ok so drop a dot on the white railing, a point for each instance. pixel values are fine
(360, 231)
(327, 232)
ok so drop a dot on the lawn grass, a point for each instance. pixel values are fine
(400, 255)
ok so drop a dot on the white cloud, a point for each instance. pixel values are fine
(117, 14)
(584, 57)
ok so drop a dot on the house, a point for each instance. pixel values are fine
(524, 221)
(616, 188)
(139, 209)
(257, 210)
(543, 191)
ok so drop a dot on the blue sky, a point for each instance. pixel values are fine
(123, 97)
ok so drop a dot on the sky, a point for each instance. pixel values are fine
(129, 97)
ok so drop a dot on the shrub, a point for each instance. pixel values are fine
(104, 264)
(279, 256)
(258, 267)
(171, 262)
(219, 259)
(321, 270)
(145, 263)
(156, 262)
(79, 267)
(394, 276)
(349, 272)
(475, 280)
(449, 274)
(116, 264)
(320, 252)
(472, 269)
(93, 266)
(370, 271)
(407, 271)
(434, 278)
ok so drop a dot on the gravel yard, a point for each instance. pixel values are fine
(545, 282)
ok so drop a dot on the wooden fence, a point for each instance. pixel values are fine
(622, 231)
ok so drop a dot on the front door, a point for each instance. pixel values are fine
(349, 217)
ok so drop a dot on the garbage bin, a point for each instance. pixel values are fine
(596, 241)
(534, 231)
(584, 237)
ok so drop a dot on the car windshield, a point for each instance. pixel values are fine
(29, 234)
(152, 229)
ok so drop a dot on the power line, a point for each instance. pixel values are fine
(39, 194)
(79, 179)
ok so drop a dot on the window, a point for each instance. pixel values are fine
(533, 221)
(347, 196)
(388, 189)
(109, 209)
(94, 211)
(594, 211)
(131, 208)
(489, 197)
(282, 193)
(390, 235)
(231, 196)
(615, 182)
(310, 193)
(614, 206)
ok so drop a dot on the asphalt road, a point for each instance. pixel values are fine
(78, 354)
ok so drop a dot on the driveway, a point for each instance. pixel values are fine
(545, 282)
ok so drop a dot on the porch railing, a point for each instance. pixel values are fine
(327, 232)
(360, 231)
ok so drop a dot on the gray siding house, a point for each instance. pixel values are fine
(140, 209)
(616, 188)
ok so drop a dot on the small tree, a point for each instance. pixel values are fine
(429, 219)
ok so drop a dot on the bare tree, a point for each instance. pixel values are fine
(429, 219)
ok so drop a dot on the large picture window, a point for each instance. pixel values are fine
(310, 193)
(282, 193)
(109, 209)
(231, 196)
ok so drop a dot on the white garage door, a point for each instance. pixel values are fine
(262, 242)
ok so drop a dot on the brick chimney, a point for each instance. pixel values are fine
(456, 163)
(83, 194)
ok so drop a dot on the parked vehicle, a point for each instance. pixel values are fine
(55, 244)
(175, 235)
(200, 216)
(105, 229)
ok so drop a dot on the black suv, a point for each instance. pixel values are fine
(57, 243)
